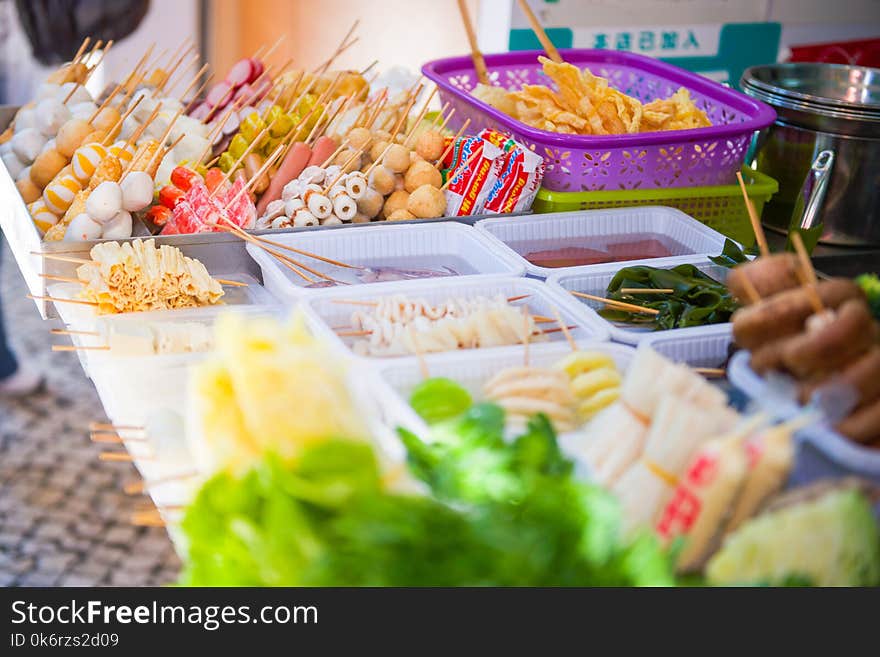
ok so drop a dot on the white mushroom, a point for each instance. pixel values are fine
(119, 227)
(293, 189)
(280, 222)
(331, 172)
(137, 191)
(104, 201)
(304, 218)
(83, 228)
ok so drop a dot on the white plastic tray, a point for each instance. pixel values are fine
(326, 309)
(593, 228)
(691, 345)
(471, 371)
(375, 246)
(822, 452)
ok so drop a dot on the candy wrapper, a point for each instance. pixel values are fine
(491, 173)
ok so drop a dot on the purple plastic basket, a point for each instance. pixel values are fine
(676, 158)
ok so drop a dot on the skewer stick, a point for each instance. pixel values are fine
(101, 57)
(73, 347)
(61, 258)
(213, 135)
(453, 142)
(710, 371)
(147, 519)
(806, 274)
(136, 70)
(417, 349)
(343, 109)
(446, 120)
(275, 45)
(57, 300)
(461, 167)
(106, 426)
(112, 439)
(419, 119)
(357, 153)
(753, 217)
(116, 457)
(72, 332)
(247, 151)
(332, 157)
(646, 290)
(565, 331)
(751, 291)
(104, 105)
(114, 131)
(557, 330)
(343, 46)
(137, 135)
(369, 68)
(439, 117)
(82, 49)
(228, 283)
(476, 55)
(192, 84)
(162, 139)
(378, 160)
(76, 86)
(138, 487)
(402, 120)
(378, 106)
(538, 29)
(308, 254)
(253, 181)
(288, 262)
(170, 74)
(63, 279)
(622, 305)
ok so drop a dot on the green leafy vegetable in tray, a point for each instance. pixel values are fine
(870, 283)
(696, 298)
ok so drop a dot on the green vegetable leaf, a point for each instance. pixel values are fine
(439, 399)
(731, 255)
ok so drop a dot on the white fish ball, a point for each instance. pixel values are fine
(137, 191)
(104, 201)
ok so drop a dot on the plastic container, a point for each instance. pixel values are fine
(693, 345)
(428, 245)
(822, 452)
(719, 207)
(680, 233)
(576, 163)
(471, 371)
(332, 310)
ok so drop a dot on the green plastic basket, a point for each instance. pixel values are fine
(719, 207)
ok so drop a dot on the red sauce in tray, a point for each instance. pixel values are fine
(574, 256)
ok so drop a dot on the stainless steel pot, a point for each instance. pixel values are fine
(822, 107)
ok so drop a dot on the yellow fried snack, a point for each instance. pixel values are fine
(110, 169)
(585, 104)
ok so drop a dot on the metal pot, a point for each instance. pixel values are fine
(822, 107)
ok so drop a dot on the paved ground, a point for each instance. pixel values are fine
(64, 519)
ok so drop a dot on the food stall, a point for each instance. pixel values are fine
(355, 333)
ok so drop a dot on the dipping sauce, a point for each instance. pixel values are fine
(610, 249)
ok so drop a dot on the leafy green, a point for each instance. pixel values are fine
(439, 399)
(505, 514)
(870, 283)
(731, 255)
(696, 300)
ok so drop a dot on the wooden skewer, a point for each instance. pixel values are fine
(710, 371)
(476, 55)
(344, 45)
(119, 457)
(405, 113)
(439, 117)
(195, 80)
(106, 426)
(57, 300)
(76, 86)
(369, 68)
(557, 330)
(620, 304)
(137, 135)
(113, 439)
(275, 45)
(419, 118)
(462, 167)
(147, 520)
(646, 290)
(161, 140)
(256, 143)
(288, 262)
(72, 332)
(112, 132)
(341, 112)
(538, 29)
(753, 217)
(101, 57)
(138, 487)
(229, 283)
(453, 142)
(129, 83)
(377, 161)
(358, 302)
(423, 365)
(333, 155)
(518, 298)
(565, 331)
(308, 254)
(353, 334)
(255, 177)
(105, 104)
(442, 126)
(213, 135)
(806, 274)
(63, 279)
(167, 77)
(751, 291)
(73, 347)
(82, 49)
(357, 153)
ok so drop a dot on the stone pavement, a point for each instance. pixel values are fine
(64, 520)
